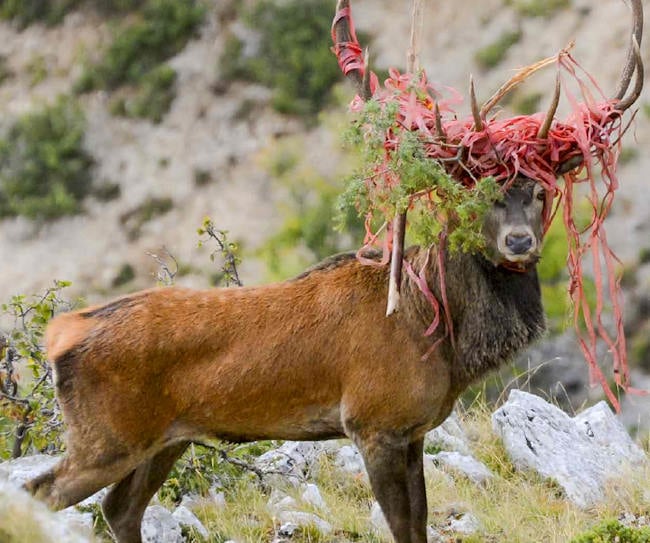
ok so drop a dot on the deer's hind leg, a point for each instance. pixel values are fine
(73, 479)
(126, 502)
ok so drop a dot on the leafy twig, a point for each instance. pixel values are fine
(226, 249)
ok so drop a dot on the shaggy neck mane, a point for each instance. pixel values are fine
(496, 312)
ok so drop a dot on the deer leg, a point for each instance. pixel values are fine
(386, 463)
(417, 491)
(73, 480)
(124, 505)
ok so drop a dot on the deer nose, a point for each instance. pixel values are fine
(519, 243)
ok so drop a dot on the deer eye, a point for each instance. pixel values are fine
(541, 195)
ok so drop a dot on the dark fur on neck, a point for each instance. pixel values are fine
(496, 313)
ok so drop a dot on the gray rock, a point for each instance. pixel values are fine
(159, 526)
(471, 468)
(287, 529)
(279, 501)
(23, 469)
(580, 453)
(449, 436)
(291, 460)
(33, 520)
(312, 496)
(349, 459)
(378, 520)
(301, 519)
(185, 517)
(464, 524)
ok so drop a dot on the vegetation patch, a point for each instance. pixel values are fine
(45, 172)
(25, 12)
(293, 56)
(30, 420)
(50, 12)
(133, 61)
(613, 531)
(492, 54)
(310, 209)
(134, 219)
(149, 100)
(538, 8)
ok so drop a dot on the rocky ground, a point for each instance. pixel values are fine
(582, 455)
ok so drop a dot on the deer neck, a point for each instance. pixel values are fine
(495, 312)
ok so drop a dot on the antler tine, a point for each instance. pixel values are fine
(638, 85)
(633, 58)
(344, 34)
(439, 129)
(478, 122)
(546, 125)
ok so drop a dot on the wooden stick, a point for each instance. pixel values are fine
(399, 222)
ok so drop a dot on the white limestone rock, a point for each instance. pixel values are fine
(185, 517)
(32, 520)
(160, 526)
(467, 465)
(449, 436)
(580, 453)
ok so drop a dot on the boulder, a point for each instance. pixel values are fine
(22, 518)
(348, 458)
(467, 465)
(185, 517)
(291, 460)
(579, 453)
(449, 436)
(160, 526)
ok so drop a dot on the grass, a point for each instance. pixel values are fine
(513, 507)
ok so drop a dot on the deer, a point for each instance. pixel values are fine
(315, 357)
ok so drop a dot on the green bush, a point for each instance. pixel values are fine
(151, 99)
(51, 12)
(162, 31)
(30, 420)
(26, 12)
(612, 531)
(492, 54)
(45, 171)
(294, 57)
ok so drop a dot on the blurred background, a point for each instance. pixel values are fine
(123, 123)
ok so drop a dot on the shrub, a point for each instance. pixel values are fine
(26, 12)
(294, 56)
(151, 99)
(30, 420)
(612, 531)
(134, 219)
(44, 168)
(161, 32)
(492, 54)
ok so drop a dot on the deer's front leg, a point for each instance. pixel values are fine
(417, 491)
(386, 460)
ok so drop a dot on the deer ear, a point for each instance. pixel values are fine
(570, 164)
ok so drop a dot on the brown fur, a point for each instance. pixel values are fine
(311, 358)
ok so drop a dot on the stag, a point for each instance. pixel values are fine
(311, 358)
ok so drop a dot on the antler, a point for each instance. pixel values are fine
(634, 61)
(344, 35)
